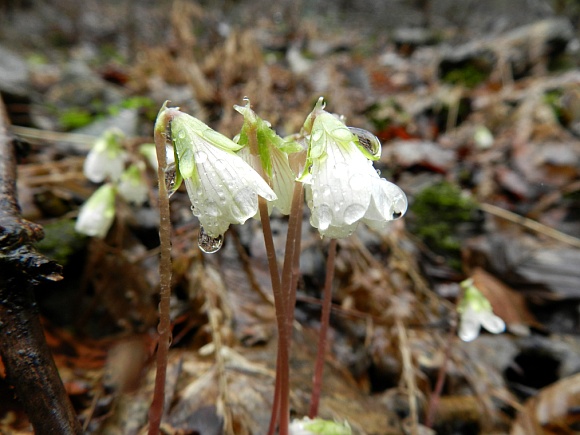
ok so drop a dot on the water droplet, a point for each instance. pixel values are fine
(181, 135)
(357, 182)
(317, 135)
(324, 214)
(200, 157)
(209, 244)
(326, 192)
(170, 178)
(195, 211)
(212, 209)
(367, 140)
(219, 164)
(378, 172)
(353, 213)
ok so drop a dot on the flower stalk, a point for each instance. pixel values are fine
(162, 134)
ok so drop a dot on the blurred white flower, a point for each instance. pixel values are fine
(318, 426)
(106, 158)
(343, 188)
(132, 186)
(476, 312)
(148, 151)
(97, 213)
(222, 187)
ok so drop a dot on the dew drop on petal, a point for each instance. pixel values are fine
(170, 178)
(195, 211)
(200, 157)
(212, 209)
(357, 182)
(367, 140)
(181, 134)
(209, 244)
(324, 214)
(353, 213)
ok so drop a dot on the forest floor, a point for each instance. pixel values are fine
(480, 125)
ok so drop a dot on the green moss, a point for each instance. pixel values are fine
(75, 118)
(438, 211)
(61, 241)
(468, 75)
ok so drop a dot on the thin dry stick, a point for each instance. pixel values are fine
(324, 323)
(530, 224)
(441, 375)
(157, 405)
(409, 376)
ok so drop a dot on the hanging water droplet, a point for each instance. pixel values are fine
(209, 244)
(368, 141)
(324, 213)
(170, 179)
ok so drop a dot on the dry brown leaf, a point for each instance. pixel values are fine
(506, 302)
(552, 411)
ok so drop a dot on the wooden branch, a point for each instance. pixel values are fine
(25, 354)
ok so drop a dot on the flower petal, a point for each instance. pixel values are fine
(225, 189)
(469, 325)
(492, 323)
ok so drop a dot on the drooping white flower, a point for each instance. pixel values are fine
(272, 156)
(476, 312)
(97, 213)
(132, 186)
(106, 158)
(222, 187)
(318, 426)
(343, 188)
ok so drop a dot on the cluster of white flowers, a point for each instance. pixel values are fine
(106, 161)
(342, 186)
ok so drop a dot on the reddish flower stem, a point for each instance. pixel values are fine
(157, 405)
(324, 323)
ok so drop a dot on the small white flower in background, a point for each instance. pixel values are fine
(483, 137)
(476, 312)
(318, 426)
(343, 188)
(132, 186)
(272, 154)
(97, 213)
(222, 187)
(148, 151)
(106, 158)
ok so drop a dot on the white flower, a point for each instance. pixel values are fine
(106, 158)
(343, 188)
(272, 156)
(476, 311)
(148, 151)
(318, 426)
(97, 213)
(132, 186)
(221, 186)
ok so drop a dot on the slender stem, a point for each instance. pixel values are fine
(282, 360)
(157, 405)
(324, 322)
